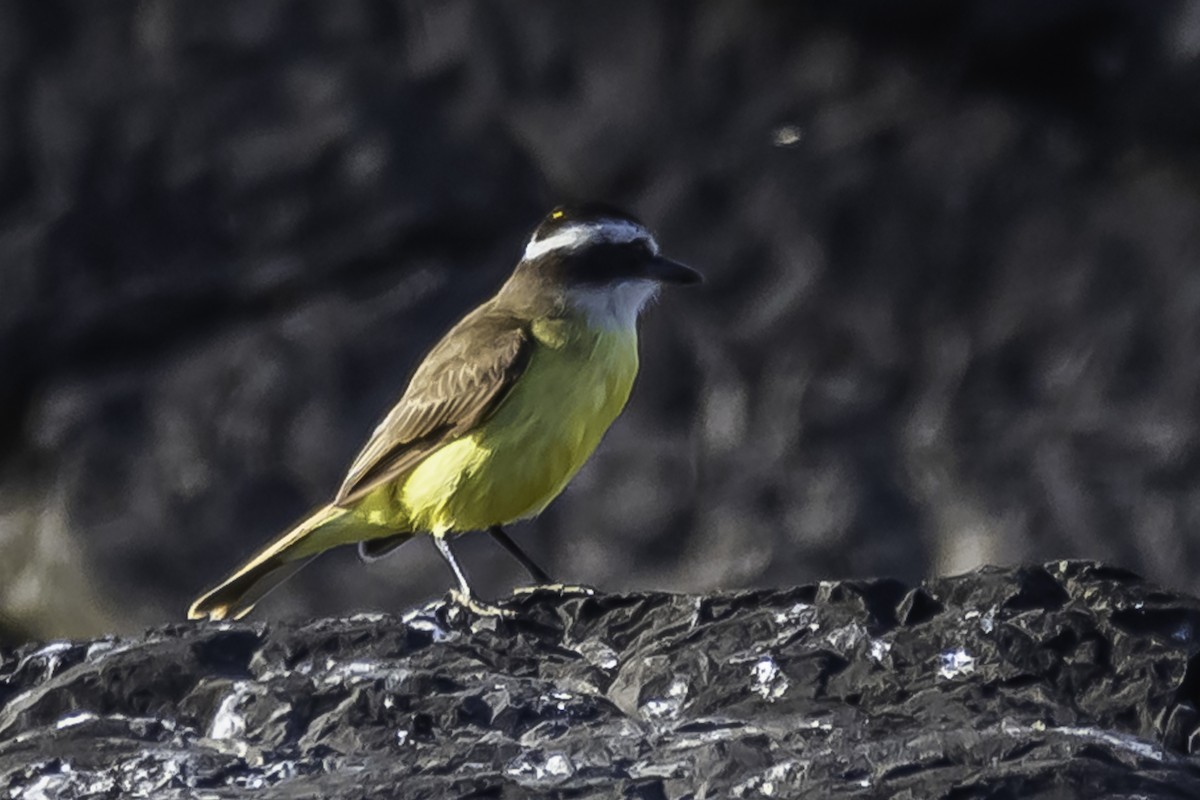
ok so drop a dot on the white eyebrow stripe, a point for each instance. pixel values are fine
(576, 235)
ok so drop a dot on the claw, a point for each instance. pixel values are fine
(478, 606)
(560, 589)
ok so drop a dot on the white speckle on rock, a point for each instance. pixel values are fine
(767, 680)
(228, 722)
(598, 654)
(78, 718)
(954, 663)
(670, 705)
(534, 768)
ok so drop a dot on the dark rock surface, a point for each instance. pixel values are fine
(951, 316)
(1072, 680)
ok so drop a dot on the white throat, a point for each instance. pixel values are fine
(614, 307)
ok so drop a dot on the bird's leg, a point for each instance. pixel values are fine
(463, 594)
(538, 574)
(544, 583)
(543, 580)
(443, 547)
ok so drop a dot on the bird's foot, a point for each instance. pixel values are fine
(557, 589)
(478, 606)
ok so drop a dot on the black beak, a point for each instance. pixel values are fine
(668, 271)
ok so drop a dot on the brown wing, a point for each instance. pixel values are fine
(460, 383)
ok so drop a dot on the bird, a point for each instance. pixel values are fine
(499, 415)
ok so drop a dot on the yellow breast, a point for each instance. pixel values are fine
(577, 382)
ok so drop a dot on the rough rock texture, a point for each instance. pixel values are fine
(1072, 680)
(951, 316)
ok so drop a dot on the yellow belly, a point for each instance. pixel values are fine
(521, 458)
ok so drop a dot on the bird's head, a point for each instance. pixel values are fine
(602, 261)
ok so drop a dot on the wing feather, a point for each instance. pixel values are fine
(460, 384)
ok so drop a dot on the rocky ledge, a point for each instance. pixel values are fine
(1065, 680)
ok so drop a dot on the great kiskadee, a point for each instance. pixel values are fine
(500, 415)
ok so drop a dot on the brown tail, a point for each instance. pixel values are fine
(281, 559)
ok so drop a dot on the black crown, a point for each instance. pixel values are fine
(565, 215)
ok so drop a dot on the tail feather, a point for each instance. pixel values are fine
(235, 598)
(285, 556)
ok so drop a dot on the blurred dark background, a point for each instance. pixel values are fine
(952, 315)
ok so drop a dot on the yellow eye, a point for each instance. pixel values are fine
(556, 214)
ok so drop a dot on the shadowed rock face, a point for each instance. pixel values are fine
(1069, 680)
